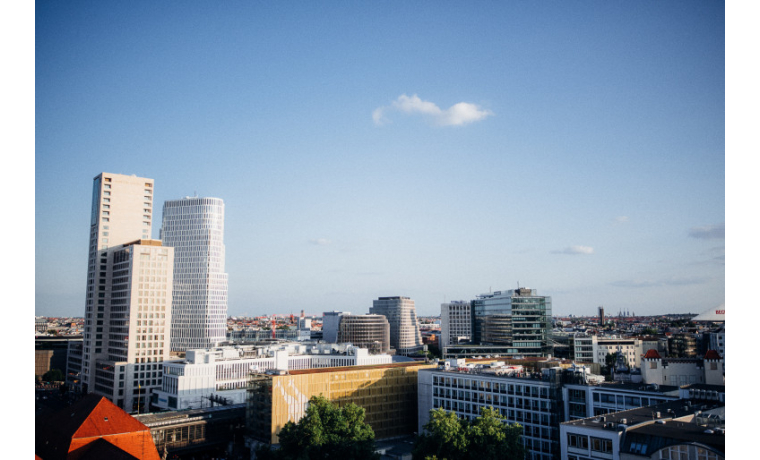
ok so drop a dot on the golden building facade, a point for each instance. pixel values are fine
(388, 393)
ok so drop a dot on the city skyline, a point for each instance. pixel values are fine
(368, 151)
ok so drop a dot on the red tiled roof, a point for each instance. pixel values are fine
(652, 354)
(91, 427)
(712, 354)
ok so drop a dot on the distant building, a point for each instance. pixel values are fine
(629, 348)
(601, 316)
(456, 322)
(194, 227)
(387, 392)
(330, 323)
(92, 428)
(581, 347)
(372, 332)
(682, 345)
(52, 353)
(683, 371)
(519, 319)
(40, 324)
(402, 317)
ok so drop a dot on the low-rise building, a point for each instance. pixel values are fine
(683, 371)
(221, 375)
(387, 392)
(671, 430)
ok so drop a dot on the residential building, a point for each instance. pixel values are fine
(402, 317)
(121, 211)
(194, 227)
(221, 374)
(581, 347)
(520, 397)
(519, 319)
(372, 332)
(682, 371)
(387, 392)
(51, 352)
(456, 322)
(682, 345)
(627, 348)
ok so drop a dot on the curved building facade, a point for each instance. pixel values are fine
(372, 332)
(194, 227)
(402, 317)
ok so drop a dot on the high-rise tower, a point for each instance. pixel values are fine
(402, 317)
(194, 227)
(128, 302)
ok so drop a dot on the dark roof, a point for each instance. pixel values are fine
(657, 436)
(98, 450)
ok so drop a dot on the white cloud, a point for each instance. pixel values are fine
(458, 114)
(320, 241)
(709, 232)
(573, 250)
(621, 219)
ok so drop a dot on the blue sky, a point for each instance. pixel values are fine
(434, 150)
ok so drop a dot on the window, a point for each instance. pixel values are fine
(577, 441)
(601, 445)
(675, 453)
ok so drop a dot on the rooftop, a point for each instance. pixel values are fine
(630, 418)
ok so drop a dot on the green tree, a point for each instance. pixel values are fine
(53, 375)
(447, 436)
(325, 432)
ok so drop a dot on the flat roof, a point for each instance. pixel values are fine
(324, 370)
(678, 408)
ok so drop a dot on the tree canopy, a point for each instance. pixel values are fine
(325, 432)
(53, 375)
(487, 437)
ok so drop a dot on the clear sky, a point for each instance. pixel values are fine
(433, 150)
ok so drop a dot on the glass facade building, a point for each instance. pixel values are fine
(519, 319)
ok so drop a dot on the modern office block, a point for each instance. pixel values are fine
(121, 212)
(519, 319)
(456, 323)
(194, 227)
(372, 332)
(330, 323)
(402, 317)
(388, 394)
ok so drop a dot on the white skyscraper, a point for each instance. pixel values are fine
(402, 317)
(194, 227)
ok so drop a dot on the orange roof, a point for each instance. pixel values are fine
(90, 429)
(652, 354)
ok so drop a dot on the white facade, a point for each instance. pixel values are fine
(194, 227)
(456, 322)
(137, 320)
(224, 372)
(465, 389)
(121, 212)
(683, 371)
(630, 349)
(402, 317)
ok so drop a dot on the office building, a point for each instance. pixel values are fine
(194, 227)
(387, 392)
(402, 317)
(519, 320)
(221, 375)
(670, 430)
(519, 396)
(121, 212)
(601, 316)
(372, 332)
(456, 323)
(629, 350)
(330, 324)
